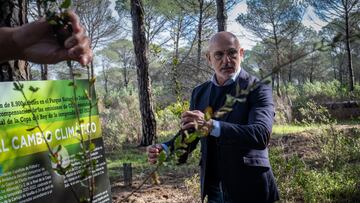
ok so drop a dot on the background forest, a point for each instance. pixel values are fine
(309, 48)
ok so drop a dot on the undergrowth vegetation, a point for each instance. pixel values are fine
(332, 176)
(329, 174)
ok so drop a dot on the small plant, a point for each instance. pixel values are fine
(311, 113)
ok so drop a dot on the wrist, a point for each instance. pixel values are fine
(10, 50)
(209, 126)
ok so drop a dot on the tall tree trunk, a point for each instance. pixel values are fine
(201, 13)
(126, 78)
(44, 71)
(140, 47)
(311, 79)
(291, 59)
(277, 69)
(221, 15)
(348, 50)
(341, 70)
(13, 13)
(105, 74)
(176, 60)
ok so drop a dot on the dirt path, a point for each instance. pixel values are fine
(171, 190)
(174, 190)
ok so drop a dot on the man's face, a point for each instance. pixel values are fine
(225, 56)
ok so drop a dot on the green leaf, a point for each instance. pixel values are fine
(240, 100)
(16, 86)
(93, 163)
(52, 22)
(31, 129)
(48, 136)
(229, 100)
(59, 171)
(53, 159)
(57, 149)
(92, 80)
(162, 157)
(226, 109)
(267, 81)
(180, 152)
(92, 147)
(177, 143)
(65, 4)
(33, 89)
(31, 101)
(87, 94)
(85, 173)
(175, 61)
(68, 168)
(71, 84)
(79, 156)
(192, 137)
(208, 113)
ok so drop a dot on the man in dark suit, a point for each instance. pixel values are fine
(234, 157)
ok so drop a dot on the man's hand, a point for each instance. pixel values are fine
(153, 152)
(36, 42)
(196, 120)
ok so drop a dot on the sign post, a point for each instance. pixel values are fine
(27, 171)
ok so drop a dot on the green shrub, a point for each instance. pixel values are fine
(320, 92)
(121, 122)
(339, 148)
(311, 113)
(334, 177)
(168, 119)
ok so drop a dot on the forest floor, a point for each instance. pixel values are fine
(180, 183)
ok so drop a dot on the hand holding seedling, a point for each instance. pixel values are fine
(37, 42)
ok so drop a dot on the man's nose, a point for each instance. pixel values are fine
(226, 58)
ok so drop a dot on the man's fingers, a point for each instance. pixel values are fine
(75, 22)
(71, 42)
(81, 47)
(190, 117)
(189, 125)
(82, 53)
(153, 150)
(85, 59)
(188, 113)
(195, 113)
(152, 161)
(153, 153)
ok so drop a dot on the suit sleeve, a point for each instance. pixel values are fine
(256, 133)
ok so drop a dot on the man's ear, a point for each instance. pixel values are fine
(241, 52)
(208, 58)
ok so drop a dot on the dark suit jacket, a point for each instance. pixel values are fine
(242, 145)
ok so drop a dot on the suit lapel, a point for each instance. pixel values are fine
(205, 99)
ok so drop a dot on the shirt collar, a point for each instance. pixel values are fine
(227, 82)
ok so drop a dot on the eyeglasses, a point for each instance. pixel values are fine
(232, 53)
